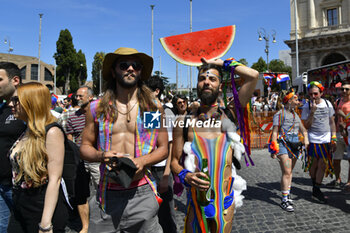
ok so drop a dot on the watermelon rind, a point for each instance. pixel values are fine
(191, 63)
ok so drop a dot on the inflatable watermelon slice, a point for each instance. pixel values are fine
(189, 48)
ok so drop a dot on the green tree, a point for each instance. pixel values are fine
(66, 60)
(243, 61)
(260, 65)
(277, 65)
(82, 70)
(96, 68)
(160, 74)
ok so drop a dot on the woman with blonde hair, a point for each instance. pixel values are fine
(37, 163)
(285, 144)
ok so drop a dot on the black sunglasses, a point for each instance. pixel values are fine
(14, 100)
(345, 89)
(135, 65)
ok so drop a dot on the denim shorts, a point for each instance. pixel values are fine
(283, 149)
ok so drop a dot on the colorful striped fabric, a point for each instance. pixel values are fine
(216, 151)
(145, 142)
(320, 151)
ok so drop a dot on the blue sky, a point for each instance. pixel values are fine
(106, 25)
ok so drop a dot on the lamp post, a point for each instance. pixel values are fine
(190, 66)
(8, 42)
(54, 79)
(296, 37)
(266, 36)
(41, 16)
(152, 6)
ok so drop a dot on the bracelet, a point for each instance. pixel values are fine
(45, 229)
(231, 62)
(182, 176)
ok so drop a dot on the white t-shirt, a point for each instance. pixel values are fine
(320, 130)
(258, 106)
(169, 118)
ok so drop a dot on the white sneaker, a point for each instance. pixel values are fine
(287, 206)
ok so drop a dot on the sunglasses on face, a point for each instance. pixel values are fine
(344, 89)
(125, 65)
(14, 100)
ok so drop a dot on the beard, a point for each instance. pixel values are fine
(208, 98)
(122, 80)
(82, 104)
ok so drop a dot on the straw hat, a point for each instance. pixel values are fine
(147, 62)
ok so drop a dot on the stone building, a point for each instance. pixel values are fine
(323, 33)
(29, 69)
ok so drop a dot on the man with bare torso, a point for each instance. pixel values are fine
(212, 144)
(115, 125)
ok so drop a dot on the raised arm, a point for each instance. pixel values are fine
(249, 76)
(55, 155)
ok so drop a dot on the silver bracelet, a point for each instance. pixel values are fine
(46, 229)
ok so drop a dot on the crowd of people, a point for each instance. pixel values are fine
(131, 165)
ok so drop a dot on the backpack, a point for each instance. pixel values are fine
(165, 107)
(70, 166)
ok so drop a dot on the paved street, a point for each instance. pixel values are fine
(261, 211)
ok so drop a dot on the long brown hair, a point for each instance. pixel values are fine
(35, 99)
(107, 106)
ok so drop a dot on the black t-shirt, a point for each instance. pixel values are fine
(10, 130)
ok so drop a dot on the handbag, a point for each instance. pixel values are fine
(294, 146)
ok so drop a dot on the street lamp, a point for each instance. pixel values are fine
(190, 66)
(41, 16)
(7, 41)
(10, 49)
(266, 36)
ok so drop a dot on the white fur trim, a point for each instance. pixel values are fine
(190, 162)
(228, 126)
(187, 147)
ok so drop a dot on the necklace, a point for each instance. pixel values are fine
(215, 115)
(127, 111)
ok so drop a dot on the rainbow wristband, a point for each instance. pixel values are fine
(182, 176)
(231, 62)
